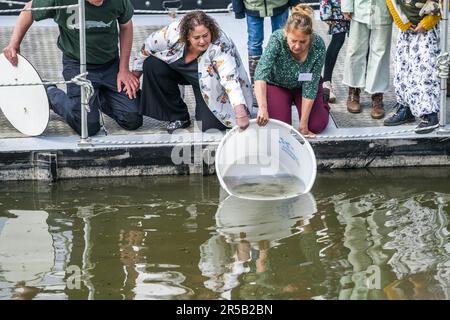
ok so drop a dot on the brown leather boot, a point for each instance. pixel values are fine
(377, 106)
(353, 105)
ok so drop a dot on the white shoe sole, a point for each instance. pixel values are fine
(426, 129)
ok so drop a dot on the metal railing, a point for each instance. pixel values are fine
(443, 61)
(84, 97)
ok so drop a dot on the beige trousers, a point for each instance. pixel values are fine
(367, 61)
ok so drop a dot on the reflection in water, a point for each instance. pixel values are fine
(255, 221)
(86, 213)
(362, 236)
(399, 247)
(142, 283)
(26, 247)
(380, 234)
(28, 253)
(420, 240)
(162, 285)
(247, 229)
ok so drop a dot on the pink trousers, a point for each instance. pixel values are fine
(279, 104)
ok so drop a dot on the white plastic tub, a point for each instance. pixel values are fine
(265, 163)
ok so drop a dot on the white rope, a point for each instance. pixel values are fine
(176, 11)
(82, 81)
(13, 2)
(32, 84)
(443, 65)
(313, 4)
(79, 80)
(170, 11)
(39, 9)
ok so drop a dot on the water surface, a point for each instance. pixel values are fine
(378, 234)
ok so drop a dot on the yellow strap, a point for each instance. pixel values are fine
(400, 19)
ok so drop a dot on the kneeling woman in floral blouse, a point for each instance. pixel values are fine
(290, 71)
(193, 51)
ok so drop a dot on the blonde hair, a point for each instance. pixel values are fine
(300, 19)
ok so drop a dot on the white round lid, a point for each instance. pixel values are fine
(25, 107)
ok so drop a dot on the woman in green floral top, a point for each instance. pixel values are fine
(290, 71)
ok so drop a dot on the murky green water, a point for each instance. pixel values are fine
(379, 234)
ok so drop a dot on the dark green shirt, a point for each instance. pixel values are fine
(102, 35)
(278, 67)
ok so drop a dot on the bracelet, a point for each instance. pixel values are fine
(240, 117)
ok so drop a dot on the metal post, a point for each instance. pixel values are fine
(84, 103)
(444, 49)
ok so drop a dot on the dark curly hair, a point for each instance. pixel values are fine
(198, 18)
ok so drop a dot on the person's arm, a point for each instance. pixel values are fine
(125, 77)
(262, 74)
(24, 22)
(226, 67)
(427, 23)
(157, 41)
(261, 97)
(238, 9)
(310, 88)
(347, 8)
(307, 105)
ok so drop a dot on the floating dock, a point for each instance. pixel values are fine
(350, 141)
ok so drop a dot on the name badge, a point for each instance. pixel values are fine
(305, 77)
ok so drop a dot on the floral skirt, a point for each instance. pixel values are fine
(416, 83)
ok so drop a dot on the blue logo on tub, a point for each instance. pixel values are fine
(286, 147)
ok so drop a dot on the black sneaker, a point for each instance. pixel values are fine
(401, 115)
(178, 124)
(428, 123)
(326, 95)
(326, 86)
(47, 85)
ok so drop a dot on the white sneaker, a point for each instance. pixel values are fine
(332, 98)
